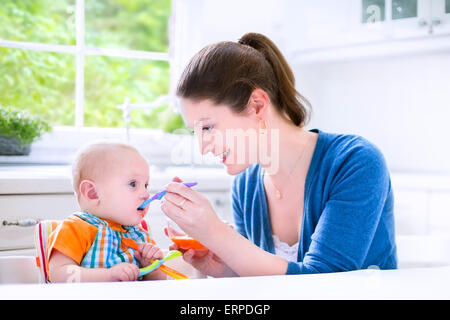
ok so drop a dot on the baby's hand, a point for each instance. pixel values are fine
(124, 272)
(147, 252)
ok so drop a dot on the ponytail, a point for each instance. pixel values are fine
(228, 72)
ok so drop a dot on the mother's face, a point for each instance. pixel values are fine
(231, 137)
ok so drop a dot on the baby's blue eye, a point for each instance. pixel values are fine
(207, 128)
(132, 184)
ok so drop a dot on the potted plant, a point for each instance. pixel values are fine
(18, 130)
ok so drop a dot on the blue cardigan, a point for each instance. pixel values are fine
(348, 217)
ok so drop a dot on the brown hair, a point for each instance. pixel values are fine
(227, 73)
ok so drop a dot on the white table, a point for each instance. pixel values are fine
(423, 283)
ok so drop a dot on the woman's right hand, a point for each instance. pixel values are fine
(208, 263)
(203, 260)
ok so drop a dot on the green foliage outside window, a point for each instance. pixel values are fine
(44, 82)
(21, 125)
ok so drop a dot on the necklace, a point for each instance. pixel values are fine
(278, 193)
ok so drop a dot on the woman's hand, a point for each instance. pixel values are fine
(208, 263)
(197, 218)
(191, 211)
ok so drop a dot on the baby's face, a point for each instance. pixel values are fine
(123, 188)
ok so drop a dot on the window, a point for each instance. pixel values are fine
(372, 11)
(74, 61)
(402, 9)
(375, 10)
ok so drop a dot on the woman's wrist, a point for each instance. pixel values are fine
(217, 232)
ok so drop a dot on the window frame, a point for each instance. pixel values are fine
(80, 50)
(84, 134)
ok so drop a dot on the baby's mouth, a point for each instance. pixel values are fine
(142, 211)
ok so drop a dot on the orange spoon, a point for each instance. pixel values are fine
(169, 271)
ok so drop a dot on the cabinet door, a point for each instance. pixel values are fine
(319, 24)
(411, 212)
(323, 24)
(394, 19)
(440, 17)
(30, 206)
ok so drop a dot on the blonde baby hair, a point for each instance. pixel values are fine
(91, 159)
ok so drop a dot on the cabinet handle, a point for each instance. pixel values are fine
(219, 202)
(422, 23)
(21, 223)
(436, 21)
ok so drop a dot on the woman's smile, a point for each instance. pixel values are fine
(223, 155)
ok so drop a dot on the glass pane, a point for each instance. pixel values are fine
(45, 21)
(40, 82)
(134, 24)
(447, 6)
(402, 9)
(109, 80)
(372, 11)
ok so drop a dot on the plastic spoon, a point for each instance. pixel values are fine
(157, 263)
(161, 194)
(169, 271)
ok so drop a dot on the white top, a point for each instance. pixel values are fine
(284, 250)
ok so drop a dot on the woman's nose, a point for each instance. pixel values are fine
(206, 144)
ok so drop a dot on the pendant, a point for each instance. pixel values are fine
(278, 194)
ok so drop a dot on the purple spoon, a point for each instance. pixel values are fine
(161, 194)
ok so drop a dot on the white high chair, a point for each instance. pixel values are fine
(44, 228)
(18, 269)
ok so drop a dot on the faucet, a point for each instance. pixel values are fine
(126, 107)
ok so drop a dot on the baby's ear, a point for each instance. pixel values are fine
(88, 190)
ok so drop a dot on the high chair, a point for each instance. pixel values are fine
(18, 269)
(41, 233)
(44, 228)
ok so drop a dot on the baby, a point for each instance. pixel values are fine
(110, 180)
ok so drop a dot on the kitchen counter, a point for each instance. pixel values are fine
(420, 283)
(57, 179)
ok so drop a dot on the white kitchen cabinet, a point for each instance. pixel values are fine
(32, 207)
(440, 213)
(440, 17)
(411, 212)
(326, 30)
(422, 219)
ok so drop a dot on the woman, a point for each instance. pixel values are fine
(303, 201)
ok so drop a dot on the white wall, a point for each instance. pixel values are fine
(400, 103)
(202, 22)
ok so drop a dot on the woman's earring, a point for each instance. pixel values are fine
(262, 126)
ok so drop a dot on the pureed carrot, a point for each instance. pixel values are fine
(186, 243)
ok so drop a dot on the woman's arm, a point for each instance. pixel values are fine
(249, 259)
(209, 263)
(198, 219)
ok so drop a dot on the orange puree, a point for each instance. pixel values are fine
(185, 242)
